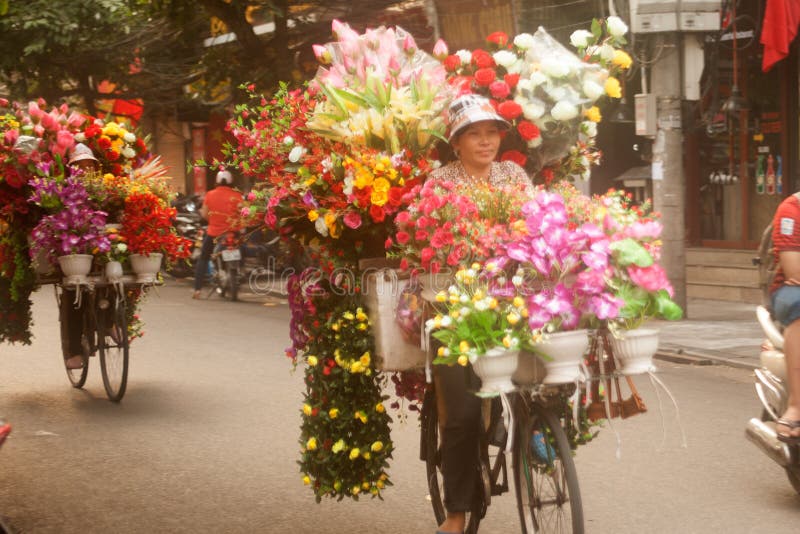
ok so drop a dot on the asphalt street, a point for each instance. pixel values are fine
(206, 439)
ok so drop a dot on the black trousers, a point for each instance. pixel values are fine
(72, 323)
(460, 435)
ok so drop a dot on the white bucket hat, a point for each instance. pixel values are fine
(469, 109)
(81, 152)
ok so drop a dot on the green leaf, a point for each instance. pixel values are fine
(629, 252)
(597, 30)
(666, 307)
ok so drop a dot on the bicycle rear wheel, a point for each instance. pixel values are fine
(77, 377)
(431, 453)
(112, 335)
(548, 496)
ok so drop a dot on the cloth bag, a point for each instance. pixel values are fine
(382, 289)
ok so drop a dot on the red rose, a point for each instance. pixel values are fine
(402, 237)
(484, 77)
(396, 196)
(499, 89)
(509, 110)
(516, 156)
(452, 62)
(377, 213)
(482, 59)
(511, 79)
(527, 130)
(499, 39)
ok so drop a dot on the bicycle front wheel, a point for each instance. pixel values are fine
(112, 335)
(548, 496)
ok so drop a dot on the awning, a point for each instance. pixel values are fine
(781, 19)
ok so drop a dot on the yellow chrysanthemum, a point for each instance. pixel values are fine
(338, 446)
(312, 361)
(354, 453)
(306, 409)
(463, 347)
(380, 408)
(377, 446)
(613, 88)
(463, 360)
(313, 215)
(311, 444)
(306, 480)
(333, 413)
(622, 59)
(593, 114)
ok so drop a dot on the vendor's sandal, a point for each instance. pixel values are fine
(791, 424)
(76, 362)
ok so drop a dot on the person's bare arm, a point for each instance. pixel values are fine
(790, 265)
(204, 212)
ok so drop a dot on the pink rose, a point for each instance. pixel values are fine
(426, 255)
(402, 237)
(499, 89)
(352, 220)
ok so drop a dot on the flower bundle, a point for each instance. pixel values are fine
(117, 148)
(637, 278)
(448, 225)
(147, 228)
(345, 440)
(563, 266)
(546, 92)
(380, 90)
(480, 312)
(73, 227)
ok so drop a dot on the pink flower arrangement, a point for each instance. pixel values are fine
(447, 226)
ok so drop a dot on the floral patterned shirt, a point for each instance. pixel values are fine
(501, 172)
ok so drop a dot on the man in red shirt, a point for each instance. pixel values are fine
(220, 208)
(785, 292)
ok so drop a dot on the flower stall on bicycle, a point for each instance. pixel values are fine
(84, 206)
(485, 272)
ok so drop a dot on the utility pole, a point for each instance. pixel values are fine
(669, 183)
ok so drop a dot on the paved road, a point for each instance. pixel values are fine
(206, 439)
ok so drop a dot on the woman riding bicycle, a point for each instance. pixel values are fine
(475, 134)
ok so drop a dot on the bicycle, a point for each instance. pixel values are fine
(103, 331)
(545, 478)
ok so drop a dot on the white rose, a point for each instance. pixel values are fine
(321, 227)
(607, 52)
(564, 111)
(447, 321)
(589, 128)
(122, 247)
(554, 67)
(616, 27)
(504, 58)
(538, 78)
(129, 137)
(288, 141)
(465, 56)
(348, 185)
(580, 38)
(128, 153)
(533, 110)
(535, 142)
(592, 90)
(523, 41)
(80, 137)
(296, 153)
(524, 85)
(517, 67)
(557, 92)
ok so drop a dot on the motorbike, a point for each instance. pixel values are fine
(188, 224)
(255, 256)
(771, 389)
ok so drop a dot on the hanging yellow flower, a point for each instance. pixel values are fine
(593, 114)
(622, 59)
(613, 88)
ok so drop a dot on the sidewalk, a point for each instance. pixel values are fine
(713, 332)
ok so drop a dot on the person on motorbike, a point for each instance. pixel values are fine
(785, 295)
(221, 209)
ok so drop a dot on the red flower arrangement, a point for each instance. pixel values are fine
(147, 228)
